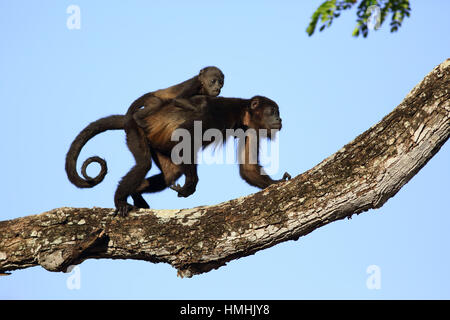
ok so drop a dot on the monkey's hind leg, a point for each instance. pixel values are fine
(169, 174)
(151, 105)
(129, 184)
(139, 201)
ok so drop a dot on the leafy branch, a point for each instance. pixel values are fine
(331, 9)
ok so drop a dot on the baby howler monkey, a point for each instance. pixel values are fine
(208, 82)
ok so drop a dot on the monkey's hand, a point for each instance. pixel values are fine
(184, 191)
(286, 176)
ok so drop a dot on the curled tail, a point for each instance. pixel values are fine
(115, 122)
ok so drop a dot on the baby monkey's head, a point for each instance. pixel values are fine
(211, 79)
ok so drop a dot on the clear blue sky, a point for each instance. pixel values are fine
(330, 88)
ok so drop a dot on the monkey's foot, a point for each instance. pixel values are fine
(184, 191)
(123, 210)
(140, 115)
(139, 201)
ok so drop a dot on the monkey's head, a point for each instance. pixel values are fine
(211, 79)
(263, 113)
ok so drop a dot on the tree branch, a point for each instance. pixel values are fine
(362, 175)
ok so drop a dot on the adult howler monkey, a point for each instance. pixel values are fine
(208, 82)
(155, 143)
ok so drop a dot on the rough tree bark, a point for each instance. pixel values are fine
(362, 175)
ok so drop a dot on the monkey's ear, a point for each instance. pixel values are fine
(254, 103)
(246, 119)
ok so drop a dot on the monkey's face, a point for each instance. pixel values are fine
(264, 114)
(212, 81)
(271, 117)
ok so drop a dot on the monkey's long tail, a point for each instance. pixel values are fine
(115, 122)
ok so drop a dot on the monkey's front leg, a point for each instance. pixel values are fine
(190, 183)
